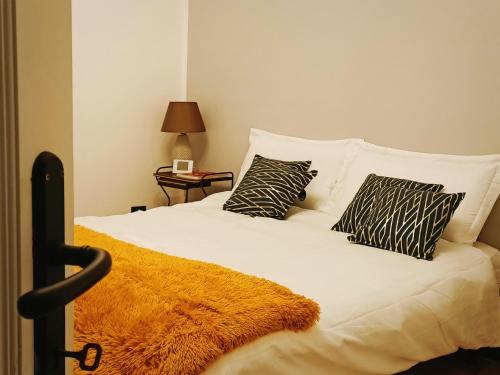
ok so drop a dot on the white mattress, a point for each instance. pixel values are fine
(381, 312)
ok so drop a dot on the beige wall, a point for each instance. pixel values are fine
(420, 75)
(129, 61)
(45, 120)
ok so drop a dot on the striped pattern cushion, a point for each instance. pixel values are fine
(361, 205)
(407, 221)
(269, 188)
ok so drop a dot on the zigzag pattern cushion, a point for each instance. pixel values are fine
(407, 221)
(280, 164)
(359, 208)
(269, 188)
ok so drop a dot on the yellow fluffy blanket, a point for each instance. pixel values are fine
(160, 314)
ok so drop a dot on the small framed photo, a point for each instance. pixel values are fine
(182, 166)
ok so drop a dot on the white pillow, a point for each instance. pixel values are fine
(327, 157)
(477, 176)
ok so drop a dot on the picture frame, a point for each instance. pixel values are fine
(181, 166)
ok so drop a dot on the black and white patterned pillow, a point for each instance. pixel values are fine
(269, 188)
(407, 221)
(280, 164)
(359, 208)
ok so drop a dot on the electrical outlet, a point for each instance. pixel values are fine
(137, 208)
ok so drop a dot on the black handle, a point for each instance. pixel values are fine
(51, 289)
(96, 264)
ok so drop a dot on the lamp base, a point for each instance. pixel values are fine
(182, 148)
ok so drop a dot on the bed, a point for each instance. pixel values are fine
(381, 311)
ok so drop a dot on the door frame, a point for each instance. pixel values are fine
(10, 321)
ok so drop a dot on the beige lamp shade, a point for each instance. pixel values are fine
(183, 117)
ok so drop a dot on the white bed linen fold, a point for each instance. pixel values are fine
(494, 255)
(381, 312)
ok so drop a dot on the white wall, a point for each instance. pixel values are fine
(129, 61)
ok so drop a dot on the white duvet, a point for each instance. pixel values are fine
(381, 312)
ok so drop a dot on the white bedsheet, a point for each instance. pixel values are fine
(381, 312)
(494, 255)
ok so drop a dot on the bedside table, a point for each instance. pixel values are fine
(166, 178)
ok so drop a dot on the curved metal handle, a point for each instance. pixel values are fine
(96, 264)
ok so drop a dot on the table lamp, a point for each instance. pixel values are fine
(183, 118)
